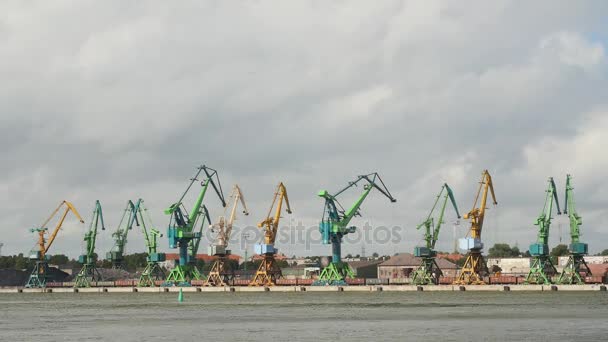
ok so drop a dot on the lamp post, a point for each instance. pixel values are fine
(246, 237)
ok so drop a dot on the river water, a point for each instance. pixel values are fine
(374, 316)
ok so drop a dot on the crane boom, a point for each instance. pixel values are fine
(477, 214)
(45, 245)
(268, 271)
(570, 209)
(223, 226)
(271, 224)
(432, 229)
(544, 219)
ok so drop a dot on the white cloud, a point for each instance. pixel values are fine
(573, 49)
(113, 101)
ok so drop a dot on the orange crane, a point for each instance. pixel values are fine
(219, 274)
(269, 271)
(39, 274)
(474, 267)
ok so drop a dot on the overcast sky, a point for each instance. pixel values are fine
(115, 100)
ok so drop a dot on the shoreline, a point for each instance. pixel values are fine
(361, 288)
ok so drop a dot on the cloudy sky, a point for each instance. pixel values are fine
(115, 100)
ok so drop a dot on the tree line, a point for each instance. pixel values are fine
(132, 262)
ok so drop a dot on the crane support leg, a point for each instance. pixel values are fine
(38, 277)
(268, 272)
(152, 272)
(219, 275)
(427, 273)
(181, 275)
(541, 271)
(88, 273)
(185, 271)
(572, 273)
(473, 270)
(335, 274)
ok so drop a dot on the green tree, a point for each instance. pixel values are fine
(604, 252)
(559, 250)
(503, 250)
(375, 255)
(135, 261)
(21, 262)
(58, 259)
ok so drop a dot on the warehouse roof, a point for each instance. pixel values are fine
(408, 259)
(598, 269)
(364, 263)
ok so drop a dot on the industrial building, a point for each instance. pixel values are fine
(403, 264)
(510, 266)
(172, 259)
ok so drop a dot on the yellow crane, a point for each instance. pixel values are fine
(474, 266)
(38, 277)
(219, 274)
(269, 271)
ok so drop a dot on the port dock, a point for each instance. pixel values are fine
(373, 288)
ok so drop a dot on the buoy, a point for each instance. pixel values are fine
(180, 296)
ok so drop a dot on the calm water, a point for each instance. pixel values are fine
(409, 316)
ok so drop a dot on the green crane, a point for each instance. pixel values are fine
(89, 272)
(429, 272)
(334, 225)
(542, 268)
(153, 271)
(116, 254)
(182, 232)
(576, 265)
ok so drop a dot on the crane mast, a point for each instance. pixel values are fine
(89, 271)
(153, 271)
(475, 267)
(268, 271)
(219, 274)
(334, 225)
(576, 265)
(542, 268)
(39, 275)
(429, 272)
(181, 231)
(116, 253)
